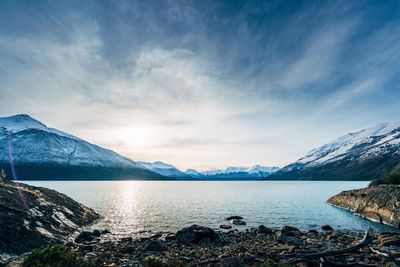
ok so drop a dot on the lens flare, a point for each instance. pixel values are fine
(14, 173)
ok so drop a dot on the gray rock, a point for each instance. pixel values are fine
(224, 226)
(194, 234)
(234, 218)
(287, 229)
(221, 237)
(326, 227)
(262, 229)
(85, 236)
(156, 245)
(290, 240)
(313, 232)
(237, 222)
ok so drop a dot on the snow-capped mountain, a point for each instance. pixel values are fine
(36, 151)
(364, 155)
(164, 169)
(254, 172)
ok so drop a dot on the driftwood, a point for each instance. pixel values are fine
(364, 242)
(385, 255)
(329, 263)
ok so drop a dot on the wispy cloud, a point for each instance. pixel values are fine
(201, 84)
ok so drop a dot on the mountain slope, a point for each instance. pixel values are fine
(365, 155)
(234, 173)
(38, 152)
(164, 169)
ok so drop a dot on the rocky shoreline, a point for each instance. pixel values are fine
(379, 203)
(32, 217)
(262, 246)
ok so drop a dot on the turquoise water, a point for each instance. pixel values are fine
(133, 206)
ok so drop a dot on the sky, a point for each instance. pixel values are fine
(202, 84)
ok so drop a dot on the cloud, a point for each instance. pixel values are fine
(201, 84)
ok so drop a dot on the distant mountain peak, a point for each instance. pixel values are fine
(254, 172)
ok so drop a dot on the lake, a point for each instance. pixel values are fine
(134, 206)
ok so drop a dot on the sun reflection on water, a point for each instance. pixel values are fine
(129, 194)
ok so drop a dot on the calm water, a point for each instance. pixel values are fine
(134, 206)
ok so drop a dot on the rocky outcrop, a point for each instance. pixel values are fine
(380, 203)
(31, 217)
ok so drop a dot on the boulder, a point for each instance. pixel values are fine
(287, 229)
(194, 234)
(156, 245)
(85, 236)
(262, 229)
(326, 227)
(221, 237)
(225, 226)
(238, 222)
(96, 233)
(313, 232)
(234, 218)
(290, 240)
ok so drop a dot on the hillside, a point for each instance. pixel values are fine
(364, 155)
(30, 150)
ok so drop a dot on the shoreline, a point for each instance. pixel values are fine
(202, 246)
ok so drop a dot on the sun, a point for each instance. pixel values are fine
(133, 137)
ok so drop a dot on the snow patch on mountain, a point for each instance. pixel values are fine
(254, 171)
(21, 122)
(374, 138)
(24, 140)
(163, 169)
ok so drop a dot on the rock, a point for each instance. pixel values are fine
(45, 216)
(168, 237)
(287, 229)
(232, 262)
(237, 222)
(313, 232)
(234, 218)
(127, 249)
(96, 233)
(326, 227)
(85, 236)
(221, 237)
(390, 240)
(85, 248)
(332, 235)
(224, 226)
(262, 229)
(3, 177)
(290, 240)
(156, 245)
(105, 231)
(379, 203)
(194, 234)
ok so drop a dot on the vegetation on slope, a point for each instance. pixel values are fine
(57, 256)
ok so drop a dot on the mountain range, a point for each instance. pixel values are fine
(364, 155)
(30, 150)
(231, 173)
